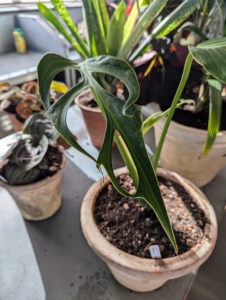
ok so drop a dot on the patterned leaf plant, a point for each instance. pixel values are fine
(23, 162)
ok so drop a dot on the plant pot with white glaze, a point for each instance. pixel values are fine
(182, 148)
(147, 274)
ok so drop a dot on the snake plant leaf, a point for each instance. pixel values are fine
(211, 55)
(130, 128)
(154, 118)
(215, 110)
(115, 29)
(102, 15)
(96, 41)
(168, 24)
(144, 21)
(131, 20)
(50, 16)
(63, 12)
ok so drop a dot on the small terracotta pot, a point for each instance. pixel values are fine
(40, 200)
(93, 118)
(142, 274)
(17, 125)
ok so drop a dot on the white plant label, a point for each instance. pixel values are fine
(155, 251)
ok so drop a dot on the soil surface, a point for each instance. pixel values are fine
(55, 159)
(185, 116)
(133, 228)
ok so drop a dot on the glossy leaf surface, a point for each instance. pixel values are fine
(125, 117)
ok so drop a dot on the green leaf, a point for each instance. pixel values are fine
(38, 125)
(115, 29)
(102, 15)
(63, 12)
(211, 55)
(154, 118)
(130, 128)
(49, 15)
(171, 22)
(28, 153)
(215, 110)
(145, 20)
(130, 22)
(191, 27)
(96, 39)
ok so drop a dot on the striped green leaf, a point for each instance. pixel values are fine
(171, 22)
(115, 29)
(49, 15)
(102, 15)
(63, 12)
(215, 110)
(96, 39)
(145, 20)
(130, 22)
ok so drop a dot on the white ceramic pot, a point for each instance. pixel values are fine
(182, 148)
(142, 274)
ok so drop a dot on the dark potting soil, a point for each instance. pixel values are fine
(9, 107)
(197, 120)
(133, 228)
(54, 157)
(90, 103)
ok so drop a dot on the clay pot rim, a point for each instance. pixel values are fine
(157, 108)
(158, 268)
(40, 183)
(96, 110)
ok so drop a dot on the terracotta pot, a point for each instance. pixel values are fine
(142, 274)
(182, 148)
(93, 118)
(40, 200)
(17, 125)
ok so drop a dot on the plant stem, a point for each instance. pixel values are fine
(126, 158)
(177, 96)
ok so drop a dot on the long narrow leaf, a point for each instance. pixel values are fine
(63, 12)
(49, 15)
(145, 20)
(215, 110)
(96, 39)
(130, 22)
(154, 118)
(130, 128)
(102, 14)
(115, 29)
(171, 22)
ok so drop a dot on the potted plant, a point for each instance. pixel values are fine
(125, 125)
(195, 125)
(114, 35)
(20, 103)
(31, 167)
